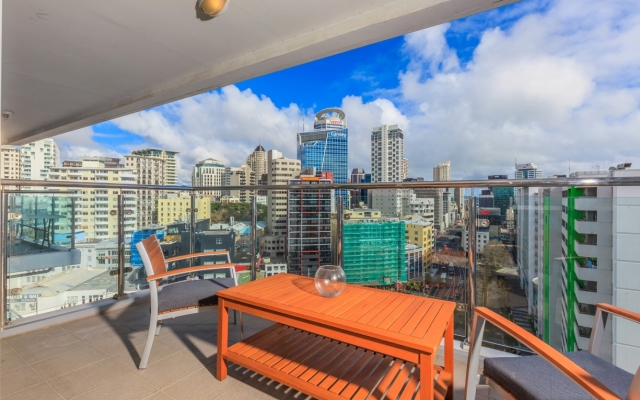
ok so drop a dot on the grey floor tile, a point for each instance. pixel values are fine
(170, 369)
(85, 379)
(201, 384)
(120, 343)
(17, 380)
(48, 348)
(10, 361)
(159, 396)
(42, 391)
(5, 347)
(67, 362)
(129, 387)
(130, 360)
(31, 338)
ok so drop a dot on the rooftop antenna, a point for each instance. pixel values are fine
(569, 167)
(302, 124)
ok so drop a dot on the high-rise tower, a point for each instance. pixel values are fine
(326, 148)
(257, 161)
(170, 163)
(38, 157)
(442, 172)
(387, 149)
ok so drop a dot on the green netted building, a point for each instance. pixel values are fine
(374, 252)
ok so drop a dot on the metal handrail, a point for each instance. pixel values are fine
(548, 182)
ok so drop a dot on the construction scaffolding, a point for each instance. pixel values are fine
(374, 252)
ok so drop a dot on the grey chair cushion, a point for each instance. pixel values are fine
(531, 377)
(192, 293)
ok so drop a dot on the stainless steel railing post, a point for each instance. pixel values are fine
(192, 228)
(4, 266)
(339, 231)
(472, 263)
(121, 295)
(73, 223)
(254, 237)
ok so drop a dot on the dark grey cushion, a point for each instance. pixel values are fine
(192, 293)
(531, 377)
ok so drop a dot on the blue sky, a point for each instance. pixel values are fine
(540, 81)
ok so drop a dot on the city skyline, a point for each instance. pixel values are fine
(558, 101)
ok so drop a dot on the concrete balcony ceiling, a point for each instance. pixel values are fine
(71, 64)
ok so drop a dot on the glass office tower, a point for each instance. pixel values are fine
(326, 148)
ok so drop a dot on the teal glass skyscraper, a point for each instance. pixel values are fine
(327, 147)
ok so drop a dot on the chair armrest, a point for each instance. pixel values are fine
(620, 312)
(182, 271)
(188, 256)
(578, 375)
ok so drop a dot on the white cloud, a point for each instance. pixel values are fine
(225, 125)
(77, 144)
(556, 85)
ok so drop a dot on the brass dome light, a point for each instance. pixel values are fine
(213, 8)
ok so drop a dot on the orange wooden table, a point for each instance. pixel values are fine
(363, 342)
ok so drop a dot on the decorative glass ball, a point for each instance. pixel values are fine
(330, 280)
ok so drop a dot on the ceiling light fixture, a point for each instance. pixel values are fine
(213, 8)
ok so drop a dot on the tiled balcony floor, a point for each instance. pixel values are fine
(97, 358)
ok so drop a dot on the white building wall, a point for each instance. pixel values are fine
(626, 274)
(387, 149)
(38, 157)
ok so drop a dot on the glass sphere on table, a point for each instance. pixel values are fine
(330, 280)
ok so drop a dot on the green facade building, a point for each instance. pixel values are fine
(374, 252)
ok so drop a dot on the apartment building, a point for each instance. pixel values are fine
(395, 203)
(579, 247)
(37, 158)
(405, 168)
(528, 171)
(177, 208)
(280, 171)
(257, 161)
(209, 172)
(420, 233)
(387, 151)
(150, 170)
(309, 224)
(442, 172)
(242, 176)
(10, 159)
(97, 209)
(170, 163)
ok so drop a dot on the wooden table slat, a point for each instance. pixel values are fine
(342, 382)
(426, 321)
(399, 382)
(317, 346)
(354, 305)
(374, 304)
(364, 373)
(403, 318)
(338, 373)
(415, 319)
(373, 317)
(384, 320)
(378, 391)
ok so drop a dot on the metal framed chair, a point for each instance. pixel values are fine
(183, 297)
(583, 375)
